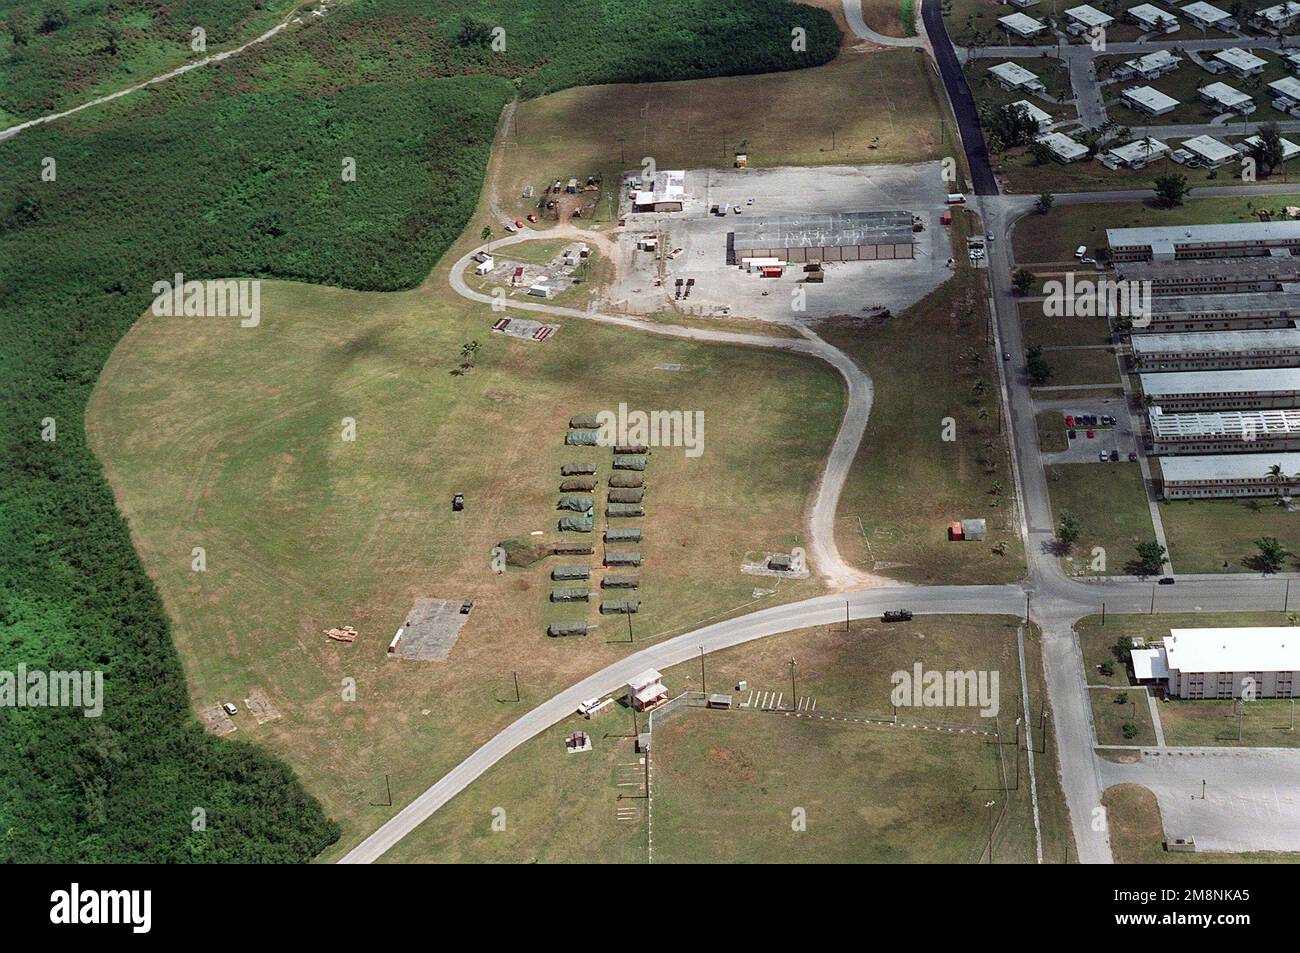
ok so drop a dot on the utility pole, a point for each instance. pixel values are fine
(629, 627)
(703, 690)
(1026, 608)
(389, 788)
(989, 806)
(794, 694)
(846, 615)
(1103, 613)
(1286, 600)
(1153, 599)
(516, 675)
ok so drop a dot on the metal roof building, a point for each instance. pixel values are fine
(1214, 276)
(1228, 475)
(1152, 18)
(1149, 66)
(1138, 153)
(1040, 116)
(1086, 17)
(1214, 312)
(1230, 239)
(1245, 431)
(1225, 98)
(1289, 149)
(1257, 389)
(835, 236)
(1063, 148)
(667, 193)
(1022, 25)
(1206, 15)
(1241, 62)
(1216, 350)
(1014, 76)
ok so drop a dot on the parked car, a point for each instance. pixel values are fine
(466, 606)
(1091, 434)
(1114, 456)
(897, 615)
(1167, 581)
(230, 709)
(458, 502)
(1132, 457)
(1069, 420)
(1074, 435)
(1103, 456)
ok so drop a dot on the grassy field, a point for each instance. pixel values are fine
(1264, 723)
(891, 17)
(1053, 73)
(1096, 640)
(1051, 431)
(1109, 716)
(908, 483)
(1111, 505)
(1137, 835)
(1054, 236)
(1082, 366)
(229, 438)
(1219, 535)
(714, 765)
(1057, 332)
(824, 118)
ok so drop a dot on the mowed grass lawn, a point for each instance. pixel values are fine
(1219, 535)
(860, 108)
(1082, 365)
(931, 362)
(1137, 834)
(1110, 715)
(1111, 504)
(229, 439)
(890, 784)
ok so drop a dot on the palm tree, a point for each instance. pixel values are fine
(1276, 477)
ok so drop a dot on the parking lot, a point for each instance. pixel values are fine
(693, 244)
(1099, 426)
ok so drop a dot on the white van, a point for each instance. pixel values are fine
(1080, 252)
(954, 198)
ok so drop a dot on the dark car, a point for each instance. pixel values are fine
(466, 606)
(1167, 581)
(897, 615)
(1132, 458)
(458, 502)
(1114, 456)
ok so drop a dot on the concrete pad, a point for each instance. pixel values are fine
(431, 629)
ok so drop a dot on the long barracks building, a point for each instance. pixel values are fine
(1215, 350)
(1228, 476)
(1243, 431)
(1214, 276)
(1180, 242)
(1200, 391)
(1220, 312)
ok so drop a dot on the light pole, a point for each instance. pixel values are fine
(989, 806)
(794, 694)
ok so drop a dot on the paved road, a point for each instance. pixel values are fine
(960, 99)
(853, 14)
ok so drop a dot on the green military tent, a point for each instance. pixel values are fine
(631, 448)
(571, 549)
(629, 462)
(577, 469)
(617, 495)
(621, 605)
(577, 524)
(626, 480)
(569, 595)
(568, 628)
(627, 581)
(579, 504)
(571, 572)
(624, 510)
(623, 535)
(623, 557)
(576, 484)
(585, 422)
(581, 438)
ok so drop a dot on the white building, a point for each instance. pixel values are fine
(1040, 116)
(1223, 98)
(667, 193)
(1276, 18)
(1211, 151)
(1064, 149)
(1015, 77)
(1150, 66)
(1154, 20)
(1237, 61)
(1289, 149)
(646, 690)
(1021, 25)
(1136, 154)
(1256, 662)
(1225, 240)
(1205, 391)
(1084, 18)
(1207, 16)
(485, 264)
(1148, 100)
(1228, 476)
(1285, 93)
(1292, 60)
